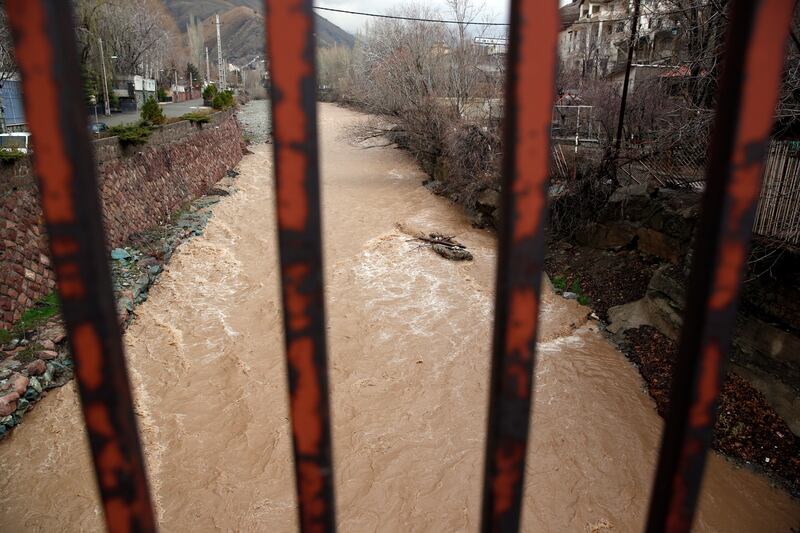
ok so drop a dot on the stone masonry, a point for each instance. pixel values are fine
(140, 187)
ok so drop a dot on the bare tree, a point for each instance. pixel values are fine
(136, 33)
(8, 65)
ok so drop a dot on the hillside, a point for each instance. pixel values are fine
(243, 26)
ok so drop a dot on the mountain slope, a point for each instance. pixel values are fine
(242, 26)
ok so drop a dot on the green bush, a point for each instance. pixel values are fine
(162, 95)
(223, 100)
(10, 155)
(209, 92)
(132, 134)
(152, 112)
(196, 118)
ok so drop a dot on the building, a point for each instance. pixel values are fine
(595, 36)
(133, 91)
(12, 110)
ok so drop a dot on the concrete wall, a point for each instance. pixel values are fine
(140, 186)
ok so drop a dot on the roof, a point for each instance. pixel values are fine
(569, 13)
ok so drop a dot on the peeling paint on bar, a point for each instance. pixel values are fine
(291, 49)
(748, 93)
(530, 96)
(45, 48)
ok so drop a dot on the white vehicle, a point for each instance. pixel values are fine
(19, 141)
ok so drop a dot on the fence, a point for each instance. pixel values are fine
(44, 40)
(778, 214)
(574, 123)
(680, 167)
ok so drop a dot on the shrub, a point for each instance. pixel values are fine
(223, 100)
(209, 92)
(132, 134)
(152, 112)
(196, 118)
(10, 155)
(161, 94)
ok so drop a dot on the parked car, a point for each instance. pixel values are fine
(16, 142)
(98, 127)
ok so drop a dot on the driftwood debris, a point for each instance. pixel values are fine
(446, 246)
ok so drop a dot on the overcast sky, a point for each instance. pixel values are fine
(495, 10)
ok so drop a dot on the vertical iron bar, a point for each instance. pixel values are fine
(748, 92)
(291, 45)
(44, 39)
(530, 93)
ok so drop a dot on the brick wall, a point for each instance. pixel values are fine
(140, 186)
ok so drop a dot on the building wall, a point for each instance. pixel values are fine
(140, 187)
(11, 100)
(596, 45)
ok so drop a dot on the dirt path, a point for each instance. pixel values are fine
(410, 335)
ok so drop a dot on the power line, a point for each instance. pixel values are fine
(413, 19)
(653, 14)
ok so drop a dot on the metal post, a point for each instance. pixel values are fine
(105, 81)
(748, 91)
(220, 63)
(44, 39)
(530, 92)
(631, 46)
(291, 44)
(208, 68)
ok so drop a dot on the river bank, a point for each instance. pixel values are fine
(625, 253)
(34, 357)
(409, 357)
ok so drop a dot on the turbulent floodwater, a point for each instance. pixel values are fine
(410, 339)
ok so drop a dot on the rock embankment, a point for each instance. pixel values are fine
(35, 360)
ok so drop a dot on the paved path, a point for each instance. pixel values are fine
(171, 110)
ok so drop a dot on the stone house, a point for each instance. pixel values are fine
(595, 33)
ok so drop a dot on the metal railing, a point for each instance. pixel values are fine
(44, 39)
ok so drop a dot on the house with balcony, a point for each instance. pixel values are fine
(595, 36)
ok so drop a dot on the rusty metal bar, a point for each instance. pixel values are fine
(291, 45)
(757, 36)
(44, 39)
(530, 93)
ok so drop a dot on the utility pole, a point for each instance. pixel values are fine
(175, 92)
(631, 45)
(220, 63)
(105, 81)
(191, 86)
(208, 68)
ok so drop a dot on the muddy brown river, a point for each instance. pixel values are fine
(410, 339)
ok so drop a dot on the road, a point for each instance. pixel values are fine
(409, 335)
(170, 110)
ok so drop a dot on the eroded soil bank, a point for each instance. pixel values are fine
(409, 336)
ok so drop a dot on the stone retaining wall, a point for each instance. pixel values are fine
(140, 186)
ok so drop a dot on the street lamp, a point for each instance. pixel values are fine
(103, 63)
(105, 81)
